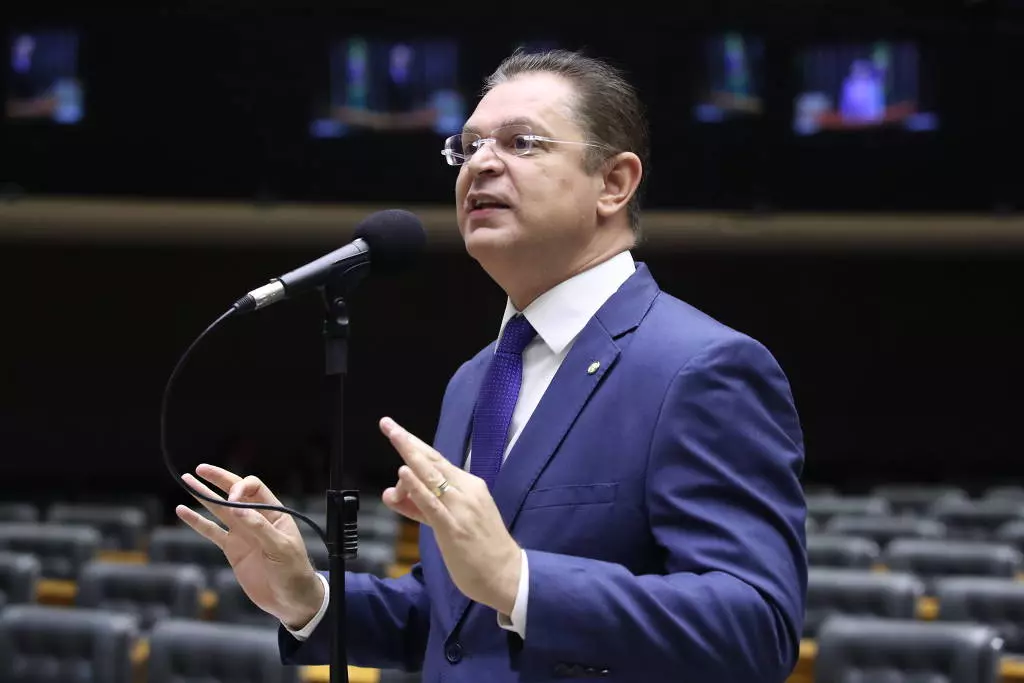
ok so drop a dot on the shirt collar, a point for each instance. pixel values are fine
(560, 314)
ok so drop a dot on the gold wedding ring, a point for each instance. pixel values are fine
(441, 488)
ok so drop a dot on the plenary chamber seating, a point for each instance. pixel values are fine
(824, 508)
(933, 559)
(151, 592)
(996, 602)
(916, 499)
(856, 592)
(57, 645)
(883, 530)
(826, 550)
(869, 650)
(121, 527)
(233, 605)
(1012, 533)
(1009, 492)
(182, 545)
(19, 578)
(62, 550)
(18, 512)
(185, 651)
(976, 519)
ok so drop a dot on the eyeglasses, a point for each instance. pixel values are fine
(516, 140)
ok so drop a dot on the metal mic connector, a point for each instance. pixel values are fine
(269, 293)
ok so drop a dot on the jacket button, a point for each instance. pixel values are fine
(453, 652)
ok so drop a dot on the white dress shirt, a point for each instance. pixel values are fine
(558, 316)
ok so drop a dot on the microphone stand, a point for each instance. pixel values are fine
(342, 505)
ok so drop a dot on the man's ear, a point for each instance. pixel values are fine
(622, 174)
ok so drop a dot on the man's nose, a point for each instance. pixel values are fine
(485, 160)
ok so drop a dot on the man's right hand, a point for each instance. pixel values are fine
(264, 547)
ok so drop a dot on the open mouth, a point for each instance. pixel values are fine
(485, 205)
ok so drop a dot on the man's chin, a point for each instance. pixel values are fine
(488, 237)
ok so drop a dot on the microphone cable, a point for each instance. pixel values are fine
(165, 450)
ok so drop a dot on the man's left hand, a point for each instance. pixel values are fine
(482, 558)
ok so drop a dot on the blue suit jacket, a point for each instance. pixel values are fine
(659, 503)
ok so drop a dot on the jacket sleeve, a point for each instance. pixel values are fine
(386, 625)
(727, 508)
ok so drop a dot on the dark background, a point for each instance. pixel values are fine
(184, 103)
(905, 363)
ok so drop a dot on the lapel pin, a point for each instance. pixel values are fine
(593, 367)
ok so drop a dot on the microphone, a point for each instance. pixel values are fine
(387, 241)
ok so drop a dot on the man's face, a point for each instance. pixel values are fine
(548, 200)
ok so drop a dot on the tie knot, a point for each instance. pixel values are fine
(518, 333)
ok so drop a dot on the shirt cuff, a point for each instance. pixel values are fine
(516, 622)
(303, 633)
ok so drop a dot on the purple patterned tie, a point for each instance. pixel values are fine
(492, 414)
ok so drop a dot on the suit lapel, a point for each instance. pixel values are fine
(568, 392)
(592, 357)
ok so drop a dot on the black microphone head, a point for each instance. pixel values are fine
(396, 239)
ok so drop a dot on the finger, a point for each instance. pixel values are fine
(395, 494)
(434, 511)
(429, 465)
(272, 541)
(218, 476)
(253, 490)
(397, 498)
(400, 488)
(221, 512)
(403, 505)
(203, 526)
(251, 523)
(395, 431)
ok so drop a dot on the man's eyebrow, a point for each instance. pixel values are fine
(515, 121)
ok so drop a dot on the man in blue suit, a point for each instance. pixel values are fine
(613, 488)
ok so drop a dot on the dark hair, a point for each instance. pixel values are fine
(607, 107)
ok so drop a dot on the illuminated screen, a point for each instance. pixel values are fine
(730, 80)
(42, 77)
(857, 87)
(388, 86)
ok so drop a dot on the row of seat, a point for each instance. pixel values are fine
(920, 495)
(127, 527)
(158, 591)
(152, 506)
(883, 529)
(996, 602)
(55, 645)
(50, 645)
(64, 549)
(152, 596)
(947, 517)
(872, 650)
(927, 558)
(907, 650)
(150, 592)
